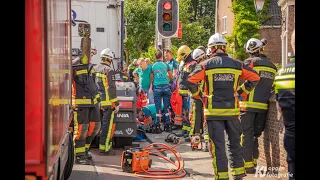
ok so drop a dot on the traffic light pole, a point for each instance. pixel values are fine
(166, 44)
(163, 43)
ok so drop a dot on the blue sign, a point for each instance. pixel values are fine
(73, 14)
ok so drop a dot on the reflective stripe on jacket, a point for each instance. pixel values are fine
(105, 81)
(84, 90)
(187, 68)
(221, 75)
(285, 86)
(257, 100)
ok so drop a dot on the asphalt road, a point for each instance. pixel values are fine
(108, 167)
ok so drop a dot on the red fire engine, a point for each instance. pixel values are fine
(49, 150)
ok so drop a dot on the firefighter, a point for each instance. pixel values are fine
(254, 105)
(203, 49)
(85, 101)
(131, 68)
(198, 126)
(285, 95)
(221, 74)
(124, 75)
(109, 102)
(161, 91)
(184, 54)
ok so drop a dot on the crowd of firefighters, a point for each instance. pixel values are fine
(223, 95)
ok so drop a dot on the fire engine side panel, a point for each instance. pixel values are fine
(104, 18)
(59, 78)
(34, 87)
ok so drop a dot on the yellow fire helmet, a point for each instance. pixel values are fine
(183, 53)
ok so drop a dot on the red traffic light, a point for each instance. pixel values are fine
(167, 5)
(167, 16)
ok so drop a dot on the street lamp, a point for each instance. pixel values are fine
(258, 4)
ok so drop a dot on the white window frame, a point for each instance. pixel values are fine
(224, 25)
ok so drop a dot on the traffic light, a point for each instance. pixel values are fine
(167, 17)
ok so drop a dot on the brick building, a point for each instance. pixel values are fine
(271, 29)
(288, 16)
(272, 152)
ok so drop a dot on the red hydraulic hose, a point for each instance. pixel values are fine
(156, 148)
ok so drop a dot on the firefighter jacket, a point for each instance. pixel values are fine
(187, 68)
(221, 75)
(84, 89)
(124, 76)
(257, 100)
(105, 80)
(285, 86)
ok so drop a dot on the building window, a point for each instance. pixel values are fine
(224, 25)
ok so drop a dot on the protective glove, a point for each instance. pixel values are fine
(240, 98)
(116, 109)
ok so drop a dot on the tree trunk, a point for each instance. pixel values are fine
(127, 56)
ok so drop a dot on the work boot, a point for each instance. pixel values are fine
(251, 170)
(187, 139)
(154, 129)
(205, 149)
(168, 128)
(111, 152)
(88, 155)
(239, 177)
(82, 159)
(158, 129)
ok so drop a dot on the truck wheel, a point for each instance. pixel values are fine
(69, 164)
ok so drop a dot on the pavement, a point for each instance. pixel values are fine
(108, 167)
(198, 164)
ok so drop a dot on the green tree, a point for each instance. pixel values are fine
(245, 27)
(203, 12)
(140, 16)
(197, 26)
(194, 33)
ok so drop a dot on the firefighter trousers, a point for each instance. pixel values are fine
(185, 114)
(196, 116)
(86, 126)
(107, 128)
(162, 93)
(253, 124)
(289, 140)
(217, 147)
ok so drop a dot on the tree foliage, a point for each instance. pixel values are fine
(246, 26)
(140, 16)
(197, 18)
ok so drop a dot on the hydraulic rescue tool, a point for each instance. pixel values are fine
(138, 161)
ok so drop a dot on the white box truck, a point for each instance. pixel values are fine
(104, 16)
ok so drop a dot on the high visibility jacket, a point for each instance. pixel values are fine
(187, 68)
(285, 86)
(105, 80)
(84, 89)
(124, 76)
(221, 75)
(257, 100)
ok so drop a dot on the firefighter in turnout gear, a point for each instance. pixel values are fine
(109, 102)
(285, 95)
(221, 75)
(184, 54)
(254, 105)
(198, 126)
(85, 101)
